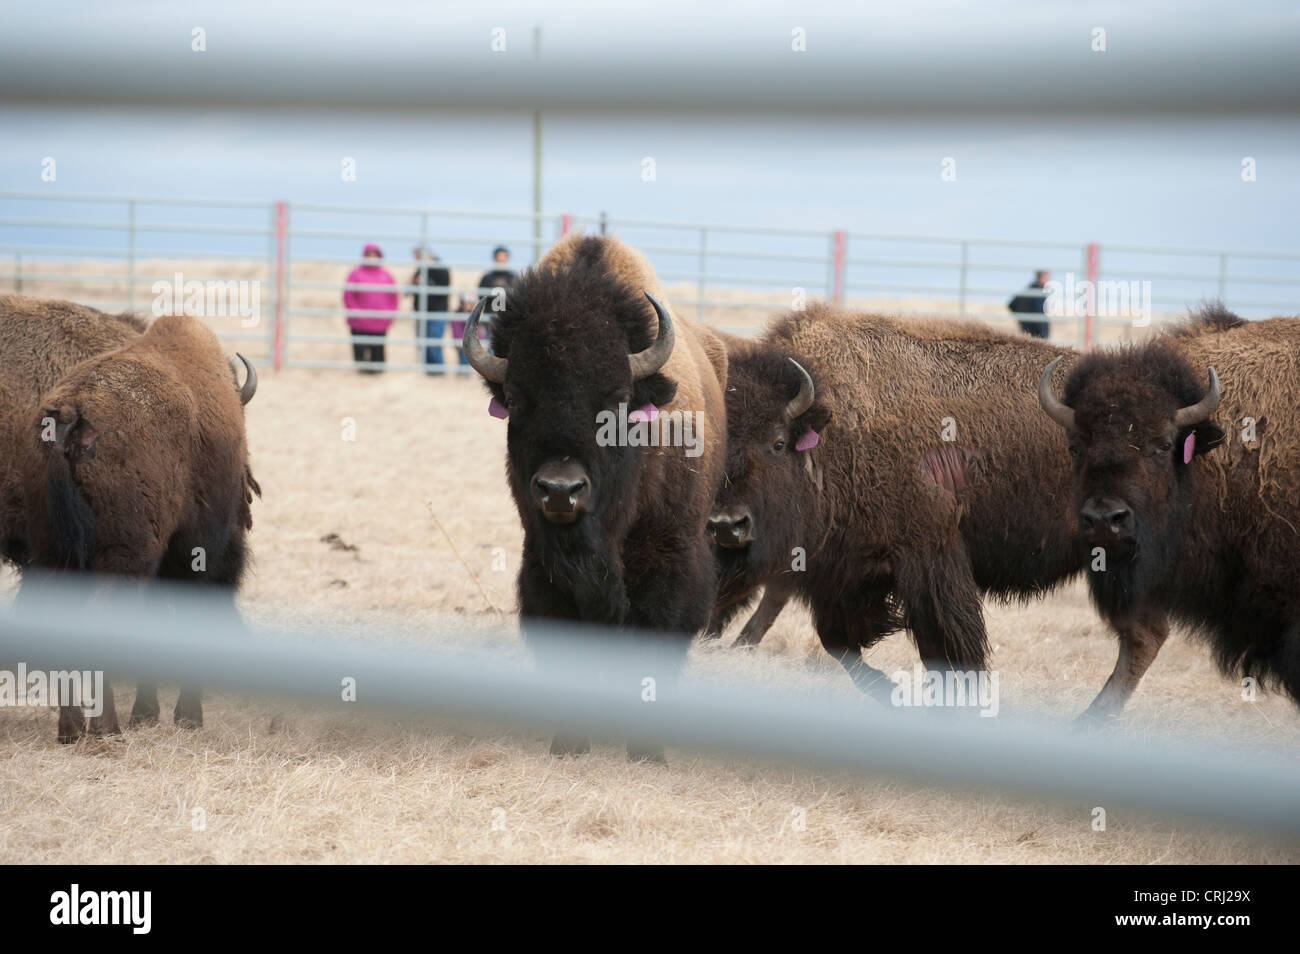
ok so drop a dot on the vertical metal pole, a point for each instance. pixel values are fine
(1223, 274)
(281, 282)
(421, 301)
(604, 223)
(703, 276)
(566, 223)
(1088, 332)
(961, 293)
(18, 273)
(130, 259)
(537, 159)
(837, 286)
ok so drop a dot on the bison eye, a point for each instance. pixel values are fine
(1166, 446)
(779, 445)
(1074, 451)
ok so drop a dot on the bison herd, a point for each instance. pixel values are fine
(887, 473)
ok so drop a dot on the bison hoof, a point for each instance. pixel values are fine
(561, 746)
(1092, 720)
(68, 738)
(187, 721)
(653, 754)
(143, 719)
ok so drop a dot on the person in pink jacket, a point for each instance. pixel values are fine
(369, 353)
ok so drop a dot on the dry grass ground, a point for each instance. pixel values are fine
(282, 784)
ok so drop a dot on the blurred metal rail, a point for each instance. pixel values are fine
(593, 683)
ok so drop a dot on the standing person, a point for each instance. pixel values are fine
(1033, 301)
(498, 277)
(369, 300)
(434, 303)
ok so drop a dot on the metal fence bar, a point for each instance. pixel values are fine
(587, 681)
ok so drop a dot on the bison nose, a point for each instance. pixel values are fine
(732, 528)
(1102, 514)
(561, 491)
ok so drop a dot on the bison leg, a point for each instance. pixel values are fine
(942, 608)
(106, 722)
(145, 709)
(72, 724)
(189, 708)
(1139, 642)
(775, 596)
(846, 627)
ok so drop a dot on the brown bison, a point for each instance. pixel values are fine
(888, 473)
(40, 340)
(138, 467)
(1178, 521)
(613, 528)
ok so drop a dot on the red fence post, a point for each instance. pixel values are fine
(566, 223)
(837, 267)
(1092, 296)
(281, 234)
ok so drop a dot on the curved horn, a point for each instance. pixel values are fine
(1053, 405)
(488, 365)
(250, 379)
(1195, 413)
(804, 399)
(647, 362)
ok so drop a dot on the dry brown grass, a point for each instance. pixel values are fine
(282, 784)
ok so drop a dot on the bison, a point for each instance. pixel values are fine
(40, 340)
(614, 534)
(888, 473)
(137, 467)
(1178, 522)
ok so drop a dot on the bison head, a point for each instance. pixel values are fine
(1135, 420)
(569, 343)
(774, 420)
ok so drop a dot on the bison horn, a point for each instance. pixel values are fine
(488, 365)
(647, 362)
(250, 379)
(804, 399)
(1195, 413)
(1053, 405)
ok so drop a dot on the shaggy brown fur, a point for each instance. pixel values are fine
(137, 459)
(639, 556)
(1214, 543)
(40, 340)
(898, 525)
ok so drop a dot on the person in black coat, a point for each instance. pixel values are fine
(432, 275)
(1033, 301)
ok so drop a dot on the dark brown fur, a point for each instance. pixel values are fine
(639, 557)
(40, 340)
(899, 526)
(148, 461)
(1215, 543)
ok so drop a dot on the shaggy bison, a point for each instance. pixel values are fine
(613, 532)
(1180, 522)
(40, 340)
(138, 467)
(888, 473)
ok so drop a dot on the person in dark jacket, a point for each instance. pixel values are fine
(1033, 301)
(435, 276)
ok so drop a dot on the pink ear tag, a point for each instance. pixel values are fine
(646, 412)
(807, 441)
(497, 409)
(1189, 447)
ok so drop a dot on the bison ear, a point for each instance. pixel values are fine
(817, 417)
(1208, 437)
(656, 389)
